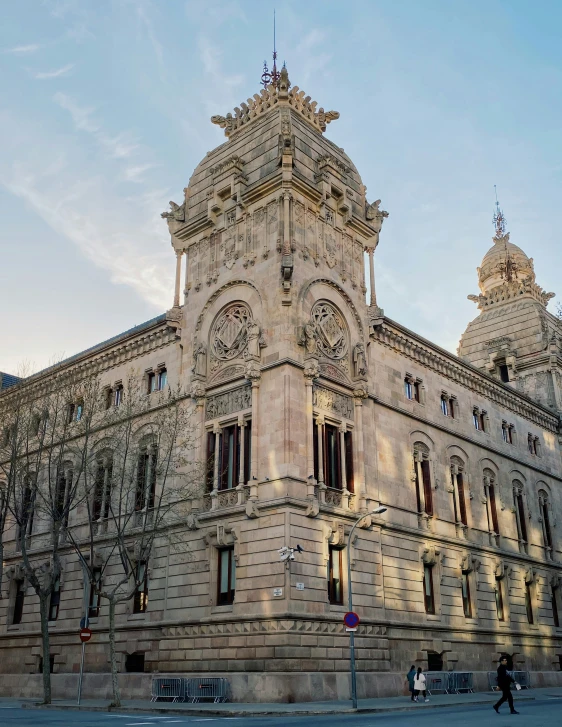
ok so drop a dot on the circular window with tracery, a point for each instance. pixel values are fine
(229, 336)
(331, 330)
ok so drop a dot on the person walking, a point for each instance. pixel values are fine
(419, 685)
(410, 677)
(505, 681)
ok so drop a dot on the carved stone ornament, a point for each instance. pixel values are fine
(326, 332)
(229, 402)
(229, 336)
(359, 361)
(332, 401)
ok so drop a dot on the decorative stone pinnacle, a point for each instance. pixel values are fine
(276, 94)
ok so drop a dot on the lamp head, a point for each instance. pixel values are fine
(379, 510)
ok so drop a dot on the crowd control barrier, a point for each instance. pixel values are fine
(168, 689)
(213, 688)
(460, 681)
(523, 678)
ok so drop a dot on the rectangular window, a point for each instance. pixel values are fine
(108, 398)
(505, 434)
(529, 604)
(521, 514)
(428, 599)
(445, 406)
(554, 604)
(226, 577)
(504, 373)
(248, 451)
(466, 602)
(546, 523)
(18, 602)
(499, 600)
(408, 389)
(140, 600)
(493, 510)
(55, 601)
(79, 410)
(462, 503)
(476, 419)
(417, 395)
(228, 457)
(70, 417)
(335, 570)
(452, 406)
(28, 510)
(94, 602)
(332, 462)
(146, 479)
(162, 379)
(152, 382)
(118, 396)
(483, 421)
(349, 461)
(210, 471)
(426, 476)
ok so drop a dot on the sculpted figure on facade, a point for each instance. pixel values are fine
(376, 217)
(199, 359)
(176, 212)
(255, 340)
(359, 361)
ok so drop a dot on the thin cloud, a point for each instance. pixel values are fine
(156, 45)
(136, 174)
(23, 49)
(43, 75)
(80, 115)
(211, 57)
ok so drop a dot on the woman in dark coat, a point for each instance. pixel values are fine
(410, 677)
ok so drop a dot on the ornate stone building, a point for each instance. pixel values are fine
(314, 408)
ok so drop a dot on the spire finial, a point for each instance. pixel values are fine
(268, 78)
(499, 219)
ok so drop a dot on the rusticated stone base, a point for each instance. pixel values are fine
(281, 687)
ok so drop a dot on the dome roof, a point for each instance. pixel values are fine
(504, 259)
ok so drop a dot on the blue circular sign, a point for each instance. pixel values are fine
(351, 619)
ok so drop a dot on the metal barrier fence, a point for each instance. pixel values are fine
(215, 688)
(460, 681)
(169, 689)
(523, 678)
(437, 681)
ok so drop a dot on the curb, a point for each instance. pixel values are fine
(264, 713)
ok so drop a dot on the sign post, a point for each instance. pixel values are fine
(85, 635)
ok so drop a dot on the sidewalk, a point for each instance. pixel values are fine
(366, 706)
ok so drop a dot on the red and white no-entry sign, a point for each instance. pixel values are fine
(85, 635)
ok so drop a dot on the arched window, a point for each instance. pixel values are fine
(459, 494)
(520, 514)
(491, 505)
(424, 495)
(63, 493)
(102, 486)
(145, 491)
(27, 509)
(544, 514)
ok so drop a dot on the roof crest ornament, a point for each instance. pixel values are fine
(268, 78)
(276, 94)
(507, 268)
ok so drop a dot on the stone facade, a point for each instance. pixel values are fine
(336, 410)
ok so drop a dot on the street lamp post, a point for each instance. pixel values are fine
(376, 511)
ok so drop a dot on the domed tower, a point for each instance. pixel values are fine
(514, 337)
(274, 326)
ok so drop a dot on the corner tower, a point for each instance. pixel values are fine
(273, 228)
(514, 337)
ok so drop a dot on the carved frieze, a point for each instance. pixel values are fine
(333, 401)
(229, 336)
(229, 402)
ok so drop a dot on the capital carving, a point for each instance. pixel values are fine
(252, 371)
(311, 370)
(359, 394)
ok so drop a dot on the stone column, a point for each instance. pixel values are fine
(186, 277)
(343, 472)
(371, 251)
(215, 491)
(320, 435)
(358, 396)
(178, 279)
(253, 373)
(310, 373)
(241, 463)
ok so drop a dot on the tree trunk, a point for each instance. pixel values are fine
(113, 655)
(1, 565)
(44, 611)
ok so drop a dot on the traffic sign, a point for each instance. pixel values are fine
(85, 635)
(351, 619)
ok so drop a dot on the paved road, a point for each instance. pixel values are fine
(545, 712)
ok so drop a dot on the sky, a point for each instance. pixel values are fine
(104, 114)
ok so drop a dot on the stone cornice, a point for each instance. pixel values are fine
(427, 354)
(92, 363)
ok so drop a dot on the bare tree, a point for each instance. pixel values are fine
(139, 485)
(46, 437)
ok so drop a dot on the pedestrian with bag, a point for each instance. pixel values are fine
(505, 680)
(419, 685)
(410, 676)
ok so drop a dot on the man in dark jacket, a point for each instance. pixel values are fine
(504, 683)
(410, 677)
